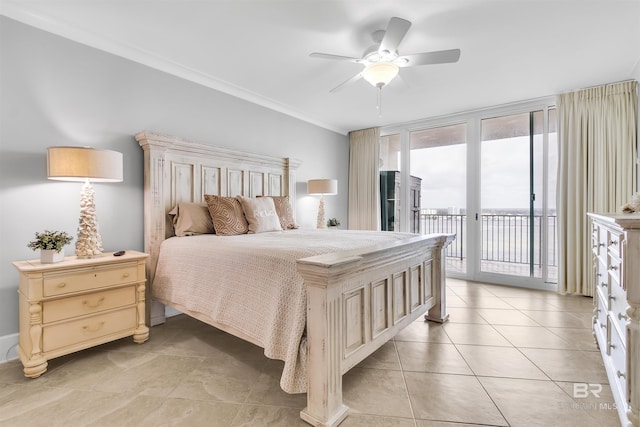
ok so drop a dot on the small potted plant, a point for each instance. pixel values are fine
(50, 244)
(333, 222)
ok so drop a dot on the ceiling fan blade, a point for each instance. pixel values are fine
(395, 32)
(335, 57)
(347, 82)
(428, 58)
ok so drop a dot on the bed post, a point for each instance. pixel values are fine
(438, 313)
(155, 220)
(324, 311)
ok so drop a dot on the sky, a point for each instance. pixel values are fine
(504, 174)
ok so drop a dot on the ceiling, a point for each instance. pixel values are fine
(258, 50)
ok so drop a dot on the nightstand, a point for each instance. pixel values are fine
(79, 303)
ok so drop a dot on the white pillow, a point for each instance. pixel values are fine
(260, 214)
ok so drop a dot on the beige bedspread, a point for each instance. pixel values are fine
(249, 285)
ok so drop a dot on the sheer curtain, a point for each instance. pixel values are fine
(364, 179)
(596, 171)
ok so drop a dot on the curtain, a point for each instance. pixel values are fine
(596, 171)
(364, 179)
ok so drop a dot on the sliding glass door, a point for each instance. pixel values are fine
(517, 204)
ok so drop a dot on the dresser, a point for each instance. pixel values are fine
(616, 318)
(79, 303)
(390, 201)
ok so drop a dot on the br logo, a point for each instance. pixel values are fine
(582, 390)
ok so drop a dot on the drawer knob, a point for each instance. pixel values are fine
(94, 329)
(613, 242)
(604, 284)
(621, 374)
(613, 268)
(623, 316)
(96, 304)
(612, 298)
(612, 346)
(125, 275)
(61, 285)
(603, 325)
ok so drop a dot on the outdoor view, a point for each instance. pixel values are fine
(517, 234)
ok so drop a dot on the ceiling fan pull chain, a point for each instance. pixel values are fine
(379, 106)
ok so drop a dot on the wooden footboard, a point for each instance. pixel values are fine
(358, 301)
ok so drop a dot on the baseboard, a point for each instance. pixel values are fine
(8, 347)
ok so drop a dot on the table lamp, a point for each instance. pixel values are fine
(322, 187)
(85, 164)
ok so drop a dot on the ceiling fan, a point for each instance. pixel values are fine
(382, 61)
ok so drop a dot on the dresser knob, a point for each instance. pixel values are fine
(621, 374)
(612, 346)
(604, 284)
(613, 268)
(623, 316)
(62, 285)
(612, 298)
(125, 275)
(613, 242)
(603, 325)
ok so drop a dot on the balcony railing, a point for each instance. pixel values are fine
(505, 238)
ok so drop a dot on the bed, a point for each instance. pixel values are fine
(355, 290)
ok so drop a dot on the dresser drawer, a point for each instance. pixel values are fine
(617, 353)
(81, 305)
(602, 277)
(600, 317)
(90, 278)
(614, 271)
(614, 242)
(618, 309)
(77, 331)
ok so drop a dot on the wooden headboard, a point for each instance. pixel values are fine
(177, 170)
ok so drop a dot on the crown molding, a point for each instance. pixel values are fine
(37, 19)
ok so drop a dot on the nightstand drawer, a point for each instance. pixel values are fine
(81, 305)
(89, 328)
(91, 278)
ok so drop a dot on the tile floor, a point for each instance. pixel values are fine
(508, 357)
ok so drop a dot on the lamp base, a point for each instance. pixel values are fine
(89, 242)
(321, 223)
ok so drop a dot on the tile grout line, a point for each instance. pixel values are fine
(404, 381)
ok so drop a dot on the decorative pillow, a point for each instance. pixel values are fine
(261, 214)
(227, 215)
(190, 219)
(284, 211)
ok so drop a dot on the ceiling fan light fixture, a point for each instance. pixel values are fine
(379, 74)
